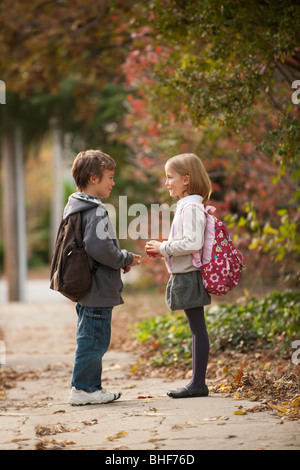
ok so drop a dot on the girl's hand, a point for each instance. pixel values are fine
(153, 248)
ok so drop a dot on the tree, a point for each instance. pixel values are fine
(45, 45)
(231, 66)
(17, 117)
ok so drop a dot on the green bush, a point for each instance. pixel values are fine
(270, 322)
(170, 334)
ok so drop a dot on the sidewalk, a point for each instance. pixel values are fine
(40, 342)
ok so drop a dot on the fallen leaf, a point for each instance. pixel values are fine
(157, 439)
(44, 444)
(117, 436)
(113, 367)
(216, 418)
(278, 408)
(90, 423)
(190, 424)
(20, 439)
(255, 408)
(238, 377)
(296, 402)
(177, 426)
(237, 396)
(47, 430)
(153, 409)
(223, 388)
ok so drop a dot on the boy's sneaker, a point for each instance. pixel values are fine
(80, 397)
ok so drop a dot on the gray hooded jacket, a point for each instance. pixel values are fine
(101, 244)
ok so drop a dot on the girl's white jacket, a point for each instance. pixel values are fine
(186, 236)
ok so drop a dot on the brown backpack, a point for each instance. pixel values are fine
(70, 273)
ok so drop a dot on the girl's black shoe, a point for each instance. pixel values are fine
(184, 392)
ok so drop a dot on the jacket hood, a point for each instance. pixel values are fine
(79, 202)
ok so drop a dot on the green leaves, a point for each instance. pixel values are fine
(168, 337)
(232, 65)
(270, 322)
(282, 240)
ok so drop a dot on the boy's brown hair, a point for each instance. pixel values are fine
(191, 165)
(88, 163)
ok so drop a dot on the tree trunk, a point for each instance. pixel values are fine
(14, 231)
(58, 186)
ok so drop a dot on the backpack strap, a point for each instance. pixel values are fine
(209, 236)
(79, 244)
(74, 230)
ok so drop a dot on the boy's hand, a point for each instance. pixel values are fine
(153, 248)
(136, 260)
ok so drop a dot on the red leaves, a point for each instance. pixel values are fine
(238, 377)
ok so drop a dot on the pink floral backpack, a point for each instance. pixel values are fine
(222, 264)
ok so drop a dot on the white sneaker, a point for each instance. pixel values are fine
(80, 397)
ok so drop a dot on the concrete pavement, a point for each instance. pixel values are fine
(39, 343)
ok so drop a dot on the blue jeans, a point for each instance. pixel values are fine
(93, 338)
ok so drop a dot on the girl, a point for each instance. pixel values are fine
(187, 179)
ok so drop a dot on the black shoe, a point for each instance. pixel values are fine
(184, 392)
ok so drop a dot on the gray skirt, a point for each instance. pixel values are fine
(186, 290)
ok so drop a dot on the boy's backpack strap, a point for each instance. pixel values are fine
(76, 241)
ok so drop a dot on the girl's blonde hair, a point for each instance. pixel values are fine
(191, 165)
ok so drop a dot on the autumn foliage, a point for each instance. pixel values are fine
(199, 80)
(199, 76)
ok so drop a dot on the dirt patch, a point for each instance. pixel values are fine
(136, 307)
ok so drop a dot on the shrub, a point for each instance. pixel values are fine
(270, 322)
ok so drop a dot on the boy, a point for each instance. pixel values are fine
(93, 172)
